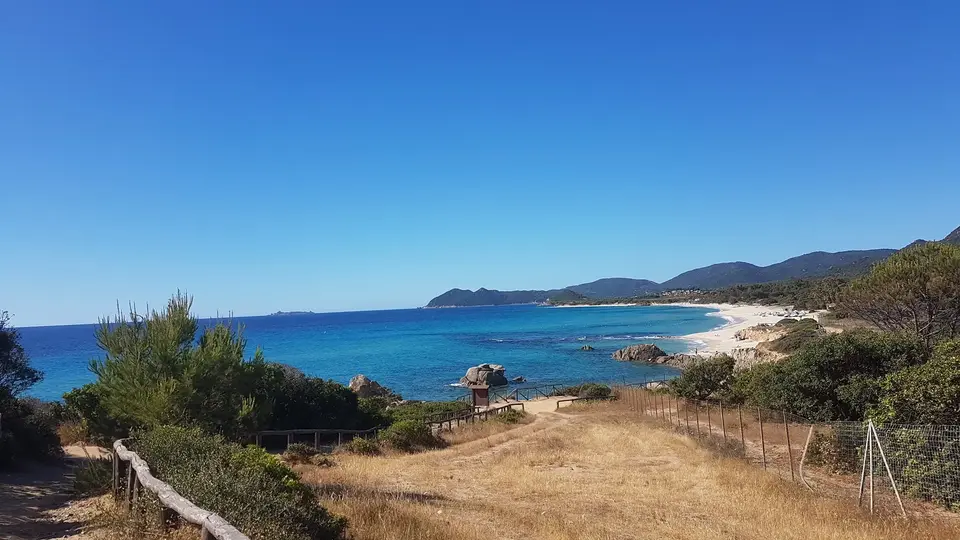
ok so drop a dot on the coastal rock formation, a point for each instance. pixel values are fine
(644, 352)
(365, 387)
(760, 332)
(519, 379)
(586, 348)
(679, 361)
(748, 357)
(489, 374)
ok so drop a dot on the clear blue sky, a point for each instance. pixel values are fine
(364, 155)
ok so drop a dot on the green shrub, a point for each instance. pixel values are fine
(925, 394)
(85, 405)
(362, 446)
(420, 410)
(586, 390)
(837, 453)
(704, 379)
(93, 477)
(410, 436)
(248, 487)
(298, 453)
(28, 425)
(799, 334)
(163, 369)
(29, 431)
(321, 460)
(835, 377)
(512, 416)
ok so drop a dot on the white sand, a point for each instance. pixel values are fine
(721, 339)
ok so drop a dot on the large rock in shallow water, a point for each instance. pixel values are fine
(639, 353)
(489, 374)
(365, 387)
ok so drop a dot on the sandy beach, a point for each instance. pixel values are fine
(721, 339)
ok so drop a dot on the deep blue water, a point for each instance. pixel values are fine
(420, 352)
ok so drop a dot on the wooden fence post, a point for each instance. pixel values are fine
(128, 495)
(743, 442)
(763, 444)
(686, 413)
(709, 422)
(697, 410)
(116, 474)
(723, 423)
(786, 429)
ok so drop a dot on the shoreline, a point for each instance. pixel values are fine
(722, 339)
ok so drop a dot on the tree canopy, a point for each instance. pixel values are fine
(917, 290)
(16, 374)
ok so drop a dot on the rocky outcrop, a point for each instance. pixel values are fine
(586, 348)
(488, 374)
(760, 332)
(747, 357)
(644, 352)
(365, 387)
(519, 379)
(679, 361)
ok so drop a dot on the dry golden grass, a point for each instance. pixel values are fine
(589, 472)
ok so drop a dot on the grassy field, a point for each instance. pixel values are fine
(591, 472)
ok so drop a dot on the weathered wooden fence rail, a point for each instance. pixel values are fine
(343, 435)
(472, 417)
(573, 399)
(138, 477)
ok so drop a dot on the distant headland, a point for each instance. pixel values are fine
(730, 275)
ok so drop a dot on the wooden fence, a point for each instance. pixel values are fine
(291, 435)
(138, 478)
(472, 417)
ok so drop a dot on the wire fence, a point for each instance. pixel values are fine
(918, 463)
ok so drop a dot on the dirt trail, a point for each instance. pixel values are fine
(34, 500)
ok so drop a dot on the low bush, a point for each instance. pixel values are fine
(419, 410)
(704, 379)
(410, 436)
(835, 377)
(836, 453)
(361, 446)
(586, 390)
(29, 432)
(512, 416)
(298, 453)
(799, 334)
(248, 487)
(72, 432)
(93, 477)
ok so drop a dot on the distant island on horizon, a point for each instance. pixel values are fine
(287, 313)
(810, 266)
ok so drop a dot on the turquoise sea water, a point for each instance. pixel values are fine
(421, 352)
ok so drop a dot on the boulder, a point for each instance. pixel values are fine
(488, 374)
(639, 353)
(365, 387)
(679, 361)
(586, 348)
(518, 379)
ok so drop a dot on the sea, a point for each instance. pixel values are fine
(422, 353)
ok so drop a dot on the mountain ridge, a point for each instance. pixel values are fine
(811, 265)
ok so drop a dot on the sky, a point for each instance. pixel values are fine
(333, 156)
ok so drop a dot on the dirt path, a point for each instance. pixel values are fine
(34, 500)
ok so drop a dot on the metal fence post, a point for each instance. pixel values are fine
(786, 429)
(763, 444)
